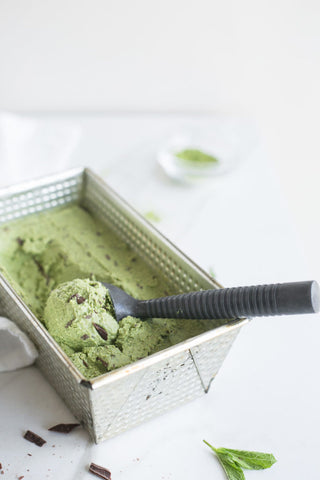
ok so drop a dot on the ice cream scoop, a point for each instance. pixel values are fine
(253, 301)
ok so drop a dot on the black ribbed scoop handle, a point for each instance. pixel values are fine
(253, 301)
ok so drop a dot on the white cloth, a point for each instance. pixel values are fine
(16, 349)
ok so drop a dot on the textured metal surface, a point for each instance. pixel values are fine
(128, 396)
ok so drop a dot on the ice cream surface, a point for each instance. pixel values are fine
(55, 260)
(79, 314)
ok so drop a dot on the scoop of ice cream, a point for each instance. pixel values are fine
(94, 361)
(137, 338)
(79, 314)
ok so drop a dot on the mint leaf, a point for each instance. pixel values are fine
(249, 460)
(233, 461)
(232, 470)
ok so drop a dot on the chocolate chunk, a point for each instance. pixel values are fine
(106, 364)
(20, 241)
(41, 270)
(34, 438)
(101, 472)
(108, 257)
(85, 336)
(29, 454)
(133, 259)
(67, 325)
(21, 477)
(103, 334)
(85, 364)
(147, 397)
(78, 298)
(0, 466)
(64, 427)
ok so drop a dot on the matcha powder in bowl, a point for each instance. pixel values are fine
(189, 163)
(205, 153)
(196, 158)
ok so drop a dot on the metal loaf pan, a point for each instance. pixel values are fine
(121, 399)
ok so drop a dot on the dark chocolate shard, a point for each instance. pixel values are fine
(85, 364)
(103, 334)
(20, 241)
(34, 438)
(106, 364)
(67, 325)
(78, 298)
(101, 472)
(42, 271)
(64, 427)
(85, 336)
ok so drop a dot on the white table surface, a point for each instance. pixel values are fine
(266, 396)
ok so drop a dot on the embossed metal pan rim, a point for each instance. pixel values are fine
(110, 377)
(41, 181)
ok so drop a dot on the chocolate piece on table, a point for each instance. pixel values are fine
(34, 438)
(101, 472)
(64, 427)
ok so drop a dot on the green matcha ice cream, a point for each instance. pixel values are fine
(79, 314)
(56, 260)
(95, 361)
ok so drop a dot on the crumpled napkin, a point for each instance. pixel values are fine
(16, 349)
